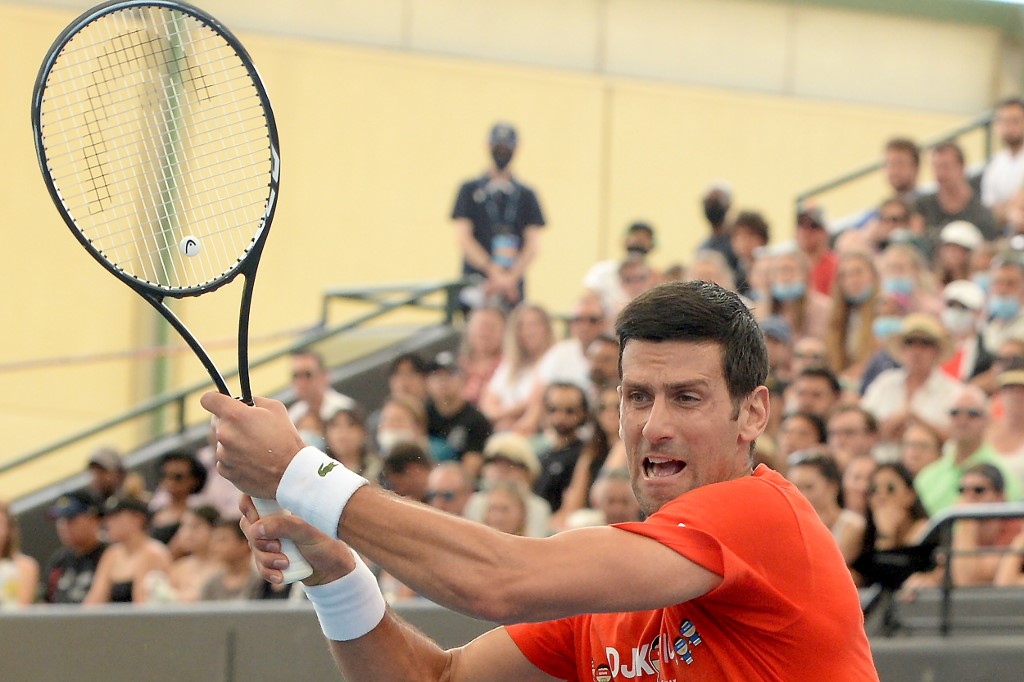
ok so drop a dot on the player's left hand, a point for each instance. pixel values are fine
(254, 444)
(331, 559)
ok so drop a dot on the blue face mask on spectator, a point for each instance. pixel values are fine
(886, 326)
(859, 298)
(898, 286)
(788, 292)
(1003, 307)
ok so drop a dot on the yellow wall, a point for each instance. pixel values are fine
(374, 144)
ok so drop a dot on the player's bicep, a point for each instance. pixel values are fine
(610, 570)
(494, 657)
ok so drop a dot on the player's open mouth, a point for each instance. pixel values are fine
(661, 467)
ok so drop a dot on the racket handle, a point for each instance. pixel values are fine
(298, 567)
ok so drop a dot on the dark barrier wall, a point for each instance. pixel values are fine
(282, 643)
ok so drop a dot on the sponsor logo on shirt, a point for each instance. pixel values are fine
(645, 660)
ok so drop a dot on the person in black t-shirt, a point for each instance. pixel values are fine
(498, 220)
(565, 411)
(69, 572)
(451, 418)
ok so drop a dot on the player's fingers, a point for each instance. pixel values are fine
(269, 404)
(248, 509)
(217, 403)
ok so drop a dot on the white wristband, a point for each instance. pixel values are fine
(316, 488)
(350, 606)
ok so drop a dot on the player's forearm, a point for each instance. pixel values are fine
(463, 565)
(394, 650)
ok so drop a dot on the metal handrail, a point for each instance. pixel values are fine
(940, 532)
(983, 121)
(314, 334)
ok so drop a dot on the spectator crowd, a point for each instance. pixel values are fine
(896, 349)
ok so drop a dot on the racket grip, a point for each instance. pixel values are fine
(298, 567)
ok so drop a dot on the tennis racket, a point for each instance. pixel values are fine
(158, 146)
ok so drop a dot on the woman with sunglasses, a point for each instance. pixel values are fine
(896, 522)
(181, 476)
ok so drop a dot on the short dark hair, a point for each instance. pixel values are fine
(826, 465)
(208, 514)
(197, 470)
(700, 312)
(1010, 102)
(640, 226)
(814, 372)
(232, 525)
(870, 422)
(950, 146)
(755, 222)
(404, 455)
(310, 353)
(584, 403)
(419, 365)
(905, 144)
(990, 472)
(816, 421)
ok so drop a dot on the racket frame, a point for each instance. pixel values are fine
(247, 265)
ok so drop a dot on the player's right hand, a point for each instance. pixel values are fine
(331, 559)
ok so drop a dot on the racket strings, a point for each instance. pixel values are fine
(153, 132)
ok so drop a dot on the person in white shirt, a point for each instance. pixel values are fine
(313, 391)
(603, 277)
(1004, 174)
(919, 388)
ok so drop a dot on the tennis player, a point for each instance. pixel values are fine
(732, 576)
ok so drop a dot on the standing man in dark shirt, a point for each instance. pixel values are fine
(565, 411)
(717, 200)
(69, 572)
(498, 221)
(451, 418)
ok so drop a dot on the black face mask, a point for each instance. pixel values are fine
(715, 212)
(502, 157)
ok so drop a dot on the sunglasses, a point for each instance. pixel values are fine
(890, 488)
(446, 495)
(918, 341)
(973, 414)
(974, 489)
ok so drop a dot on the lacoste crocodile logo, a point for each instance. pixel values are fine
(326, 469)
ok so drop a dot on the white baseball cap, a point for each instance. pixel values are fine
(965, 292)
(963, 234)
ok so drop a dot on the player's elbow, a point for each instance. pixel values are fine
(499, 590)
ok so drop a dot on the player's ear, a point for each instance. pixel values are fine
(753, 415)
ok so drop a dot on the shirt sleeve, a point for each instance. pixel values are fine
(759, 554)
(550, 646)
(532, 216)
(464, 202)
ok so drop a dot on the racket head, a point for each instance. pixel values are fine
(152, 127)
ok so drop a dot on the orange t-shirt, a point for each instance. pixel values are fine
(786, 610)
